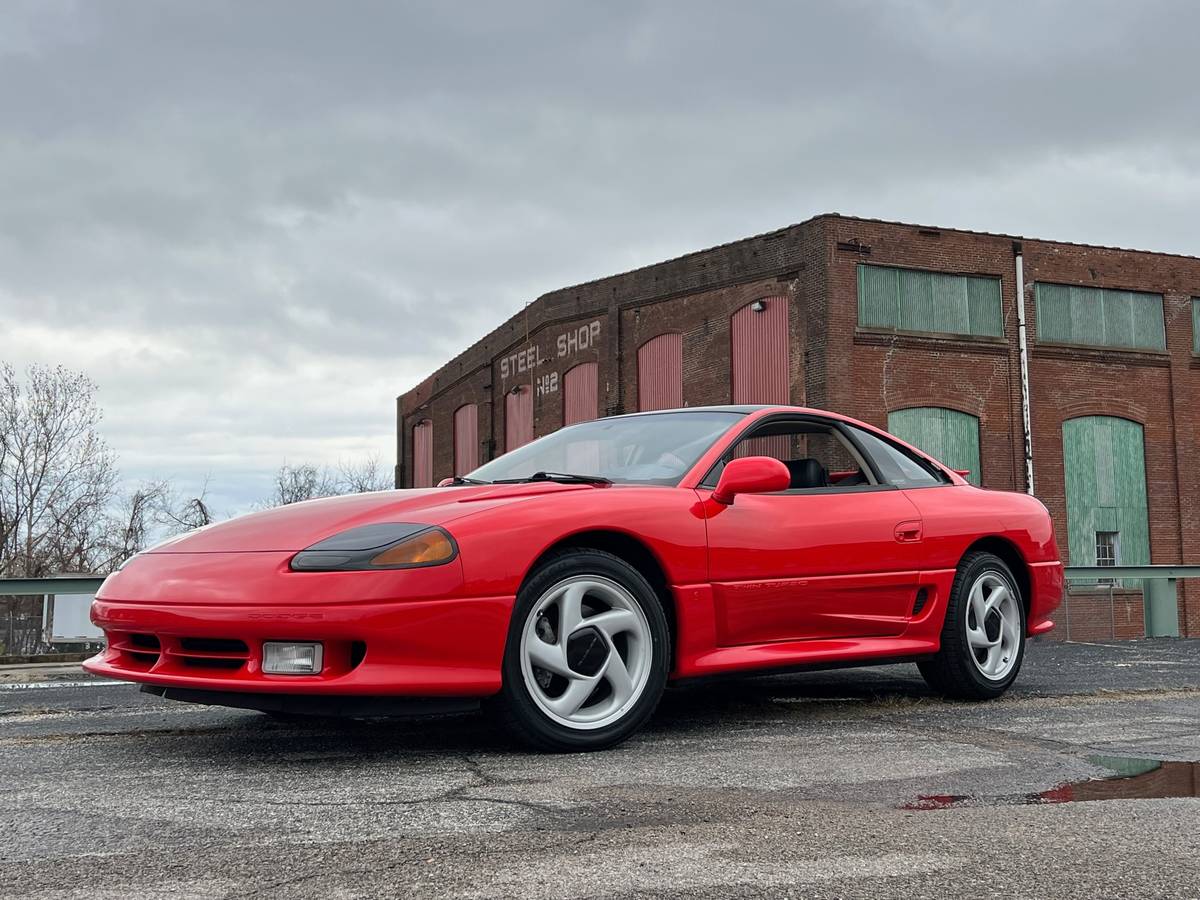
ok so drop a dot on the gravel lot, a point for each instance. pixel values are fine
(804, 785)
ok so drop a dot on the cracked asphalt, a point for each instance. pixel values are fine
(821, 784)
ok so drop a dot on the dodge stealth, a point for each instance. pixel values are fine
(564, 584)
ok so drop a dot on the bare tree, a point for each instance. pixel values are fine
(131, 526)
(295, 483)
(59, 506)
(57, 475)
(363, 476)
(187, 513)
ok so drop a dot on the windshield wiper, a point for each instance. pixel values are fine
(563, 477)
(463, 479)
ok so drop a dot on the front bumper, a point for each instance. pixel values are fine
(415, 648)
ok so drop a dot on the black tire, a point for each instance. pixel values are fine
(953, 671)
(516, 709)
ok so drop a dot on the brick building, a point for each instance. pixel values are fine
(911, 328)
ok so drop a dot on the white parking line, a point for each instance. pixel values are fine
(42, 685)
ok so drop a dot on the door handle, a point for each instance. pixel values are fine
(908, 532)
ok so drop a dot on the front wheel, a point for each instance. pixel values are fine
(983, 636)
(587, 654)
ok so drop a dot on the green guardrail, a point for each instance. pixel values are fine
(24, 634)
(1172, 572)
(36, 587)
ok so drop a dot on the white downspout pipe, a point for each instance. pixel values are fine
(1023, 344)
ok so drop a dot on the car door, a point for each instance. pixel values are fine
(811, 563)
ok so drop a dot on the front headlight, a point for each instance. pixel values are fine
(390, 545)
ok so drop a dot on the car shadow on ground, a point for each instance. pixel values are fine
(697, 708)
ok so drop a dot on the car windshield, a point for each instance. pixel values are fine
(658, 448)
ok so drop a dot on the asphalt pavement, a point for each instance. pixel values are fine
(852, 783)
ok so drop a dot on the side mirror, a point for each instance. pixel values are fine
(751, 475)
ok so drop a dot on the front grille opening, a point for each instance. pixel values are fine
(212, 662)
(149, 641)
(358, 652)
(214, 645)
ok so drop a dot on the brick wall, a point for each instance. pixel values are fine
(1095, 614)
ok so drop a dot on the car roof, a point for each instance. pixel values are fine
(739, 408)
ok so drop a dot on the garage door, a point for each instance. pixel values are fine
(466, 439)
(759, 358)
(518, 417)
(660, 373)
(422, 437)
(580, 394)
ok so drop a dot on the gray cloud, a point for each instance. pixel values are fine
(255, 224)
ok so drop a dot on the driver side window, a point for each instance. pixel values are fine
(817, 455)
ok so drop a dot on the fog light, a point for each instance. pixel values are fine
(281, 658)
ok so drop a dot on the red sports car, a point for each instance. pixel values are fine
(563, 584)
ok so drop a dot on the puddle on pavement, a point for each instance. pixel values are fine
(1133, 779)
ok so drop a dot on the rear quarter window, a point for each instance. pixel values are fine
(896, 465)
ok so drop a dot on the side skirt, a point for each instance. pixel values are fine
(810, 654)
(729, 675)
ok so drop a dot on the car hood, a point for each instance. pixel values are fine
(299, 525)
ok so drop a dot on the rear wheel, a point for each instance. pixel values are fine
(983, 636)
(587, 654)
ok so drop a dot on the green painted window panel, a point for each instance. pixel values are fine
(1196, 324)
(983, 306)
(1105, 464)
(911, 300)
(949, 436)
(1070, 314)
(878, 298)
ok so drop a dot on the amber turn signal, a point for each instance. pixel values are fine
(425, 549)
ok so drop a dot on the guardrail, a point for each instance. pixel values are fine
(28, 632)
(36, 587)
(1160, 604)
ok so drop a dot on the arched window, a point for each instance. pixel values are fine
(580, 403)
(518, 417)
(1104, 462)
(759, 369)
(466, 439)
(422, 441)
(949, 436)
(660, 372)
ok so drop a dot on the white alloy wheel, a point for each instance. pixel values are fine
(586, 652)
(993, 624)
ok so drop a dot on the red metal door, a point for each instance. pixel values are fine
(660, 372)
(422, 438)
(466, 439)
(759, 368)
(518, 417)
(798, 566)
(580, 394)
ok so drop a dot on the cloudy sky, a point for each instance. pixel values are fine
(255, 223)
